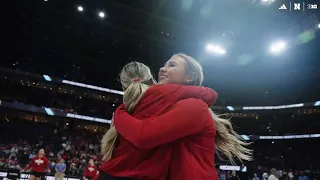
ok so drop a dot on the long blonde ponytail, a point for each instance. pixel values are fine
(228, 142)
(135, 78)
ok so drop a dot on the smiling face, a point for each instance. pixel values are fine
(174, 72)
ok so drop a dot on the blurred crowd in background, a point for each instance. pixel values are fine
(24, 138)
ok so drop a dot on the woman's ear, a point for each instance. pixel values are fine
(188, 79)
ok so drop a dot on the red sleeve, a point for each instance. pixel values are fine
(97, 176)
(27, 167)
(208, 95)
(30, 164)
(186, 117)
(46, 163)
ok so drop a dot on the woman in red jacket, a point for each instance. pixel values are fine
(187, 129)
(127, 160)
(91, 171)
(38, 165)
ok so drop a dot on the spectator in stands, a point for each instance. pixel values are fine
(234, 176)
(255, 177)
(302, 176)
(91, 148)
(222, 175)
(274, 174)
(73, 170)
(12, 162)
(82, 166)
(91, 171)
(264, 176)
(52, 165)
(281, 175)
(290, 175)
(32, 155)
(60, 169)
(14, 151)
(2, 162)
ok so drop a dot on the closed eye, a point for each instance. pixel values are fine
(171, 64)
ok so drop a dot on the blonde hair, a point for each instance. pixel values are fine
(135, 78)
(227, 142)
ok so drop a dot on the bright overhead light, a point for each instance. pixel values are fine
(215, 49)
(278, 47)
(101, 14)
(319, 25)
(80, 8)
(266, 2)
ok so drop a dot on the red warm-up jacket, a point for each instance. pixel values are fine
(138, 160)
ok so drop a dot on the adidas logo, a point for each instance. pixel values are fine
(283, 6)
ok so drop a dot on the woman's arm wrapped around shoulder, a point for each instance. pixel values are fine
(206, 94)
(186, 117)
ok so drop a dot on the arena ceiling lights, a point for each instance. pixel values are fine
(266, 2)
(101, 14)
(80, 8)
(278, 47)
(215, 49)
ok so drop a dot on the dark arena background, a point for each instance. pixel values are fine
(61, 60)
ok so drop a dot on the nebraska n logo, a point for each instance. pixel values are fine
(283, 6)
(296, 6)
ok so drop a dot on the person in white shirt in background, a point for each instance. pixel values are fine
(274, 174)
(290, 175)
(14, 151)
(265, 176)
